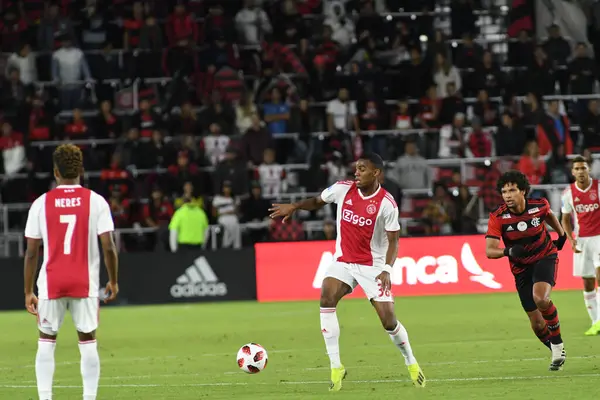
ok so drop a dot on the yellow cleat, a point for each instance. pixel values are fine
(416, 375)
(594, 330)
(337, 376)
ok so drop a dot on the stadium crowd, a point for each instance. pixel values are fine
(227, 105)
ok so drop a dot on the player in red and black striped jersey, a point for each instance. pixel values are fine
(533, 256)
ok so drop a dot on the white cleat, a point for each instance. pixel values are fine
(558, 357)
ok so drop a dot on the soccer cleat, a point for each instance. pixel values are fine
(594, 330)
(558, 357)
(337, 376)
(416, 375)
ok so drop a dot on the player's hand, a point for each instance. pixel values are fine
(282, 210)
(386, 282)
(111, 291)
(516, 251)
(31, 302)
(574, 247)
(560, 242)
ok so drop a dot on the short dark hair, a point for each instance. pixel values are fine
(374, 159)
(516, 177)
(579, 159)
(68, 160)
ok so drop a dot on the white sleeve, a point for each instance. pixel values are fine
(33, 230)
(336, 192)
(352, 109)
(330, 107)
(389, 213)
(566, 207)
(105, 221)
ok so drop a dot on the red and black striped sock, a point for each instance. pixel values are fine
(551, 317)
(544, 336)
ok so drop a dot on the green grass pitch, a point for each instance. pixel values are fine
(470, 347)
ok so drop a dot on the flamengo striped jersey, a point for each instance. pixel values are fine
(362, 223)
(526, 229)
(69, 220)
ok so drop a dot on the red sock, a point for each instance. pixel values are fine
(551, 317)
(544, 336)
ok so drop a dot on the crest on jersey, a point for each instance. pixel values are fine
(593, 196)
(371, 209)
(535, 221)
(522, 226)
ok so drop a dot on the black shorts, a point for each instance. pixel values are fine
(542, 271)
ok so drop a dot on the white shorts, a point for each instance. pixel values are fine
(586, 262)
(363, 275)
(84, 312)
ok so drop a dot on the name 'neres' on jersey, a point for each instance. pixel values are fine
(585, 207)
(69, 219)
(526, 229)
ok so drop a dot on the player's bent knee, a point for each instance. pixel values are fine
(84, 337)
(542, 302)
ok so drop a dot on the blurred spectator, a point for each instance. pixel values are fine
(276, 113)
(77, 128)
(510, 137)
(245, 112)
(289, 27)
(225, 211)
(444, 73)
(131, 150)
(68, 67)
(465, 220)
(590, 127)
(133, 26)
(156, 153)
(157, 214)
(234, 170)
(480, 142)
(14, 93)
(401, 117)
(271, 175)
(451, 105)
(215, 144)
(452, 138)
(188, 228)
(150, 35)
(557, 168)
(41, 120)
(534, 113)
(336, 169)
(541, 73)
(342, 27)
(188, 196)
(439, 212)
(181, 26)
(219, 54)
(469, 53)
(120, 210)
(429, 108)
(489, 77)
(255, 141)
(13, 28)
(104, 65)
(145, 120)
(342, 117)
(193, 149)
(583, 71)
(23, 60)
(115, 178)
(12, 145)
(411, 170)
(462, 18)
(107, 125)
(252, 23)
(532, 164)
(558, 50)
(520, 53)
(183, 171)
(256, 209)
(553, 130)
(95, 27)
(186, 122)
(329, 231)
(417, 75)
(52, 27)
(220, 113)
(436, 46)
(594, 164)
(485, 110)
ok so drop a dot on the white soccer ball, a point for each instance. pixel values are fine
(252, 358)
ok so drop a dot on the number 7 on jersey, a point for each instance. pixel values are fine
(70, 220)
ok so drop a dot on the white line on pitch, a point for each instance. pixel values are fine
(473, 379)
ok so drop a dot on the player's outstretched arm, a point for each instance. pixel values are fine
(111, 260)
(287, 210)
(32, 255)
(492, 248)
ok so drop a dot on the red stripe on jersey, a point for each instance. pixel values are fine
(67, 223)
(391, 199)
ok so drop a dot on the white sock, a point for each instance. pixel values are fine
(330, 328)
(591, 303)
(44, 367)
(90, 368)
(400, 338)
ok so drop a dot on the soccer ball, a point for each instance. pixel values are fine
(252, 358)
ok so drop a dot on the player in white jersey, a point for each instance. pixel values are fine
(366, 249)
(580, 203)
(67, 221)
